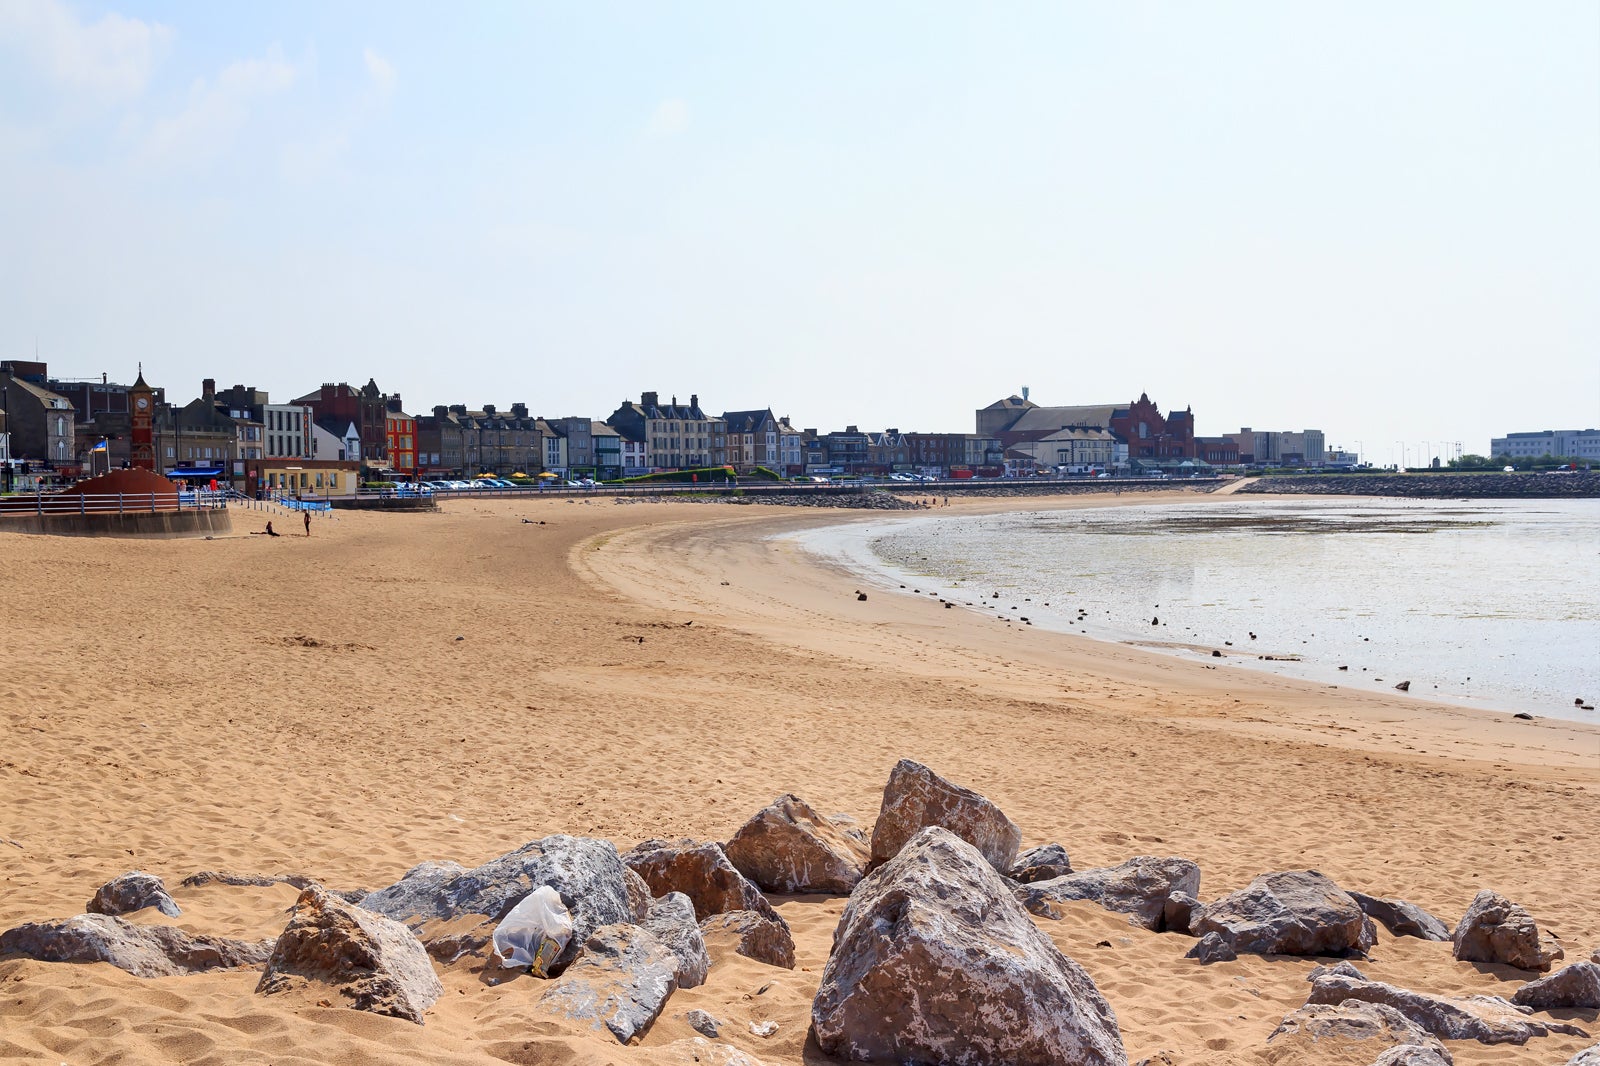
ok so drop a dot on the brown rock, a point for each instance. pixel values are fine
(1486, 1019)
(1293, 912)
(1575, 987)
(372, 961)
(1496, 930)
(916, 797)
(700, 871)
(1320, 1031)
(748, 933)
(935, 962)
(789, 847)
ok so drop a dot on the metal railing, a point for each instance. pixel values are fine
(111, 503)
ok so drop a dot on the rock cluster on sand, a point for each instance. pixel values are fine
(1139, 888)
(916, 798)
(131, 892)
(142, 950)
(788, 847)
(1294, 912)
(933, 961)
(372, 961)
(1496, 930)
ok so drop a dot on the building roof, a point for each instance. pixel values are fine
(1038, 418)
(1011, 403)
(39, 392)
(747, 421)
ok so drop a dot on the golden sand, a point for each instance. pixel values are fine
(303, 705)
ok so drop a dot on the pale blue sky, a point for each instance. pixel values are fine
(1380, 219)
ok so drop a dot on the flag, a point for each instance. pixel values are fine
(103, 446)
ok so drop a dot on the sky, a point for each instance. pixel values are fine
(1379, 220)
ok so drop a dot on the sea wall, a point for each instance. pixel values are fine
(156, 525)
(386, 503)
(1499, 486)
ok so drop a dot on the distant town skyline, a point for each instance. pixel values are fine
(1379, 222)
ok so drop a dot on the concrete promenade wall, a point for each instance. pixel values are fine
(147, 524)
(1575, 485)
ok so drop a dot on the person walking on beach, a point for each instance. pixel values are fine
(307, 516)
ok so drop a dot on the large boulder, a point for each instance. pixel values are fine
(619, 984)
(374, 962)
(1575, 987)
(586, 873)
(789, 847)
(1401, 918)
(1139, 887)
(701, 871)
(142, 950)
(1319, 1031)
(1486, 1019)
(133, 891)
(934, 961)
(1042, 863)
(1295, 912)
(1496, 930)
(916, 797)
(671, 920)
(751, 934)
(1586, 1057)
(1435, 1054)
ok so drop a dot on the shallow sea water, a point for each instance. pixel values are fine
(1493, 604)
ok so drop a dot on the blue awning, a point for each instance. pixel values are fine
(194, 473)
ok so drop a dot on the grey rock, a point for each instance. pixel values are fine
(142, 950)
(1415, 1055)
(374, 962)
(915, 797)
(1212, 948)
(1401, 918)
(131, 892)
(1343, 969)
(1041, 864)
(671, 921)
(701, 871)
(1322, 1030)
(1486, 1019)
(703, 1023)
(1139, 887)
(1586, 1057)
(586, 873)
(934, 961)
(751, 934)
(1295, 912)
(789, 847)
(1496, 930)
(1177, 914)
(1575, 987)
(619, 983)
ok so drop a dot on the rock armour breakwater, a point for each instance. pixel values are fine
(1583, 484)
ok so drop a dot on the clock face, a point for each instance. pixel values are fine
(142, 402)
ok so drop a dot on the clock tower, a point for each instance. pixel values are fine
(142, 440)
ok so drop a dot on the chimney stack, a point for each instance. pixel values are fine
(650, 399)
(208, 389)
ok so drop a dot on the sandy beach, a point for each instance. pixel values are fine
(396, 688)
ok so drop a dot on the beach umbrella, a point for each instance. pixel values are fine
(547, 474)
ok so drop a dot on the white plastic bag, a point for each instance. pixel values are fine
(535, 932)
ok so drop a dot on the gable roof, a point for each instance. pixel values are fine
(1096, 416)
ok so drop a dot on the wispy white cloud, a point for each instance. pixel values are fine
(215, 110)
(112, 56)
(670, 119)
(380, 70)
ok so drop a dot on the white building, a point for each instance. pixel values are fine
(287, 431)
(1569, 443)
(335, 439)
